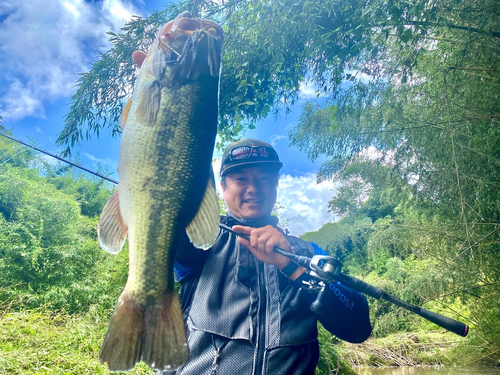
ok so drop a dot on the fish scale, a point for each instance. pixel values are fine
(164, 167)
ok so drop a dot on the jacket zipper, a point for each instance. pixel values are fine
(261, 342)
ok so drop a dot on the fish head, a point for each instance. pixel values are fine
(185, 49)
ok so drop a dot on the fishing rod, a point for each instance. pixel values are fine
(326, 269)
(59, 158)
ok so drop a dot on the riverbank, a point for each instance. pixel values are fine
(404, 349)
(426, 350)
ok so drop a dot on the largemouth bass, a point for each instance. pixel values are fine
(169, 128)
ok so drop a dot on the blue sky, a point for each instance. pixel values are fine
(45, 44)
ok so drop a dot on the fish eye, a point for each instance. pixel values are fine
(212, 31)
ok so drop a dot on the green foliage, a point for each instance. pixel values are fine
(14, 154)
(395, 270)
(260, 67)
(433, 118)
(91, 195)
(49, 254)
(330, 358)
(341, 238)
(414, 255)
(272, 46)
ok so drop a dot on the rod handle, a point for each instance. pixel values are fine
(450, 324)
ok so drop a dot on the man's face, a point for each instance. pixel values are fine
(250, 192)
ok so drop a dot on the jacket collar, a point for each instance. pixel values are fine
(231, 220)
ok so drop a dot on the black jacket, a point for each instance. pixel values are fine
(239, 317)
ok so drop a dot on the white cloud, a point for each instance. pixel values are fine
(216, 163)
(117, 12)
(371, 153)
(275, 138)
(46, 44)
(19, 100)
(99, 161)
(305, 202)
(308, 90)
(363, 77)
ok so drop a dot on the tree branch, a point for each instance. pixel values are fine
(495, 34)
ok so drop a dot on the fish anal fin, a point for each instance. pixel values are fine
(112, 230)
(152, 332)
(204, 228)
(125, 112)
(149, 104)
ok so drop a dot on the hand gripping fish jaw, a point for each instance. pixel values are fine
(173, 38)
(326, 270)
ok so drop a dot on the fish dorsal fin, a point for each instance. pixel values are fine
(125, 111)
(204, 228)
(112, 230)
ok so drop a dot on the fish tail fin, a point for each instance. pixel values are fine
(164, 342)
(121, 348)
(154, 334)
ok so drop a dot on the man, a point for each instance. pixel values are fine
(237, 296)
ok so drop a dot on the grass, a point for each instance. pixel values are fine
(44, 342)
(47, 342)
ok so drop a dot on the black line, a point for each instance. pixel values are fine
(61, 159)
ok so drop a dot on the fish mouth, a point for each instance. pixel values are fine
(192, 44)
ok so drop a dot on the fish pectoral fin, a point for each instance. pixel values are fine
(112, 230)
(204, 228)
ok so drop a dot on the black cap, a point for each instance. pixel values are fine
(269, 158)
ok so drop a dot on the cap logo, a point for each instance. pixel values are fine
(251, 152)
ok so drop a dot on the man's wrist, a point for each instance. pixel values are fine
(298, 272)
(292, 271)
(289, 269)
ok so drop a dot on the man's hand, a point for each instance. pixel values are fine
(262, 243)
